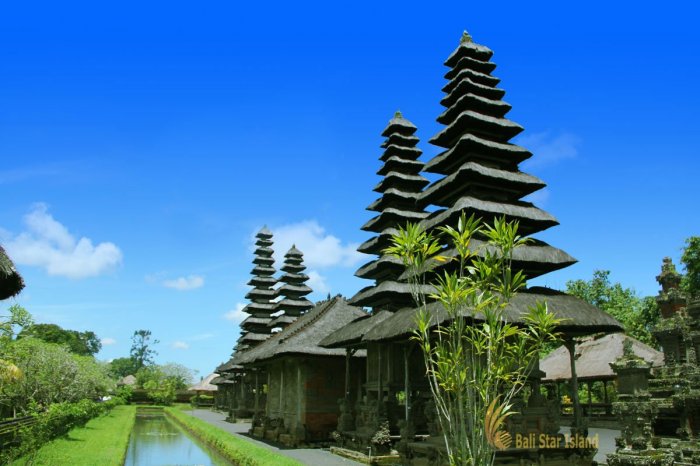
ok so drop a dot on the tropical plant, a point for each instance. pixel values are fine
(477, 357)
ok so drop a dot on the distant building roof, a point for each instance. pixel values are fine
(205, 384)
(303, 336)
(593, 357)
(127, 380)
(11, 281)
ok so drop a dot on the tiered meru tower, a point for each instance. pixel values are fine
(293, 290)
(479, 165)
(400, 191)
(256, 327)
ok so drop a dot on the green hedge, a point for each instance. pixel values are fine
(56, 421)
(235, 449)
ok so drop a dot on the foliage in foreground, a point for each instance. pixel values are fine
(103, 440)
(50, 374)
(235, 449)
(476, 360)
(56, 421)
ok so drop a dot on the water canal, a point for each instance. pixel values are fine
(158, 441)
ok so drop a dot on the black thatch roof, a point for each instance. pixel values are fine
(579, 317)
(530, 217)
(303, 336)
(11, 282)
(593, 357)
(387, 290)
(352, 333)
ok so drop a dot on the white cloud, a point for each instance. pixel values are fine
(108, 341)
(548, 149)
(190, 282)
(317, 282)
(320, 248)
(180, 345)
(236, 315)
(48, 244)
(539, 198)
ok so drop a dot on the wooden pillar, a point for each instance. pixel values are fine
(281, 404)
(380, 383)
(300, 393)
(605, 397)
(257, 392)
(571, 347)
(406, 380)
(347, 374)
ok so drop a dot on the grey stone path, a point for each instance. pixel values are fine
(310, 456)
(606, 439)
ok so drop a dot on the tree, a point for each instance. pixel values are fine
(476, 360)
(637, 315)
(691, 262)
(142, 352)
(121, 367)
(51, 374)
(82, 343)
(19, 317)
(181, 376)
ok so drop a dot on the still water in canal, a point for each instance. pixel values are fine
(157, 441)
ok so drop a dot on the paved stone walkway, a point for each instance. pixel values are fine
(310, 456)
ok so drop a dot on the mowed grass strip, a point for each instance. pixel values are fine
(103, 441)
(235, 449)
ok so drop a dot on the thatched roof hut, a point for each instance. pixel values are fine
(205, 385)
(11, 282)
(304, 335)
(593, 357)
(129, 380)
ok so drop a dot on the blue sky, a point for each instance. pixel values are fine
(142, 145)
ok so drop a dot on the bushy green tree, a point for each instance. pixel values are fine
(51, 374)
(83, 343)
(691, 262)
(477, 360)
(637, 315)
(17, 318)
(121, 367)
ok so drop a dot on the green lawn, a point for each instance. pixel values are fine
(103, 441)
(235, 449)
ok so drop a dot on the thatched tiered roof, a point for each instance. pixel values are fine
(578, 318)
(593, 358)
(304, 335)
(400, 190)
(11, 282)
(293, 291)
(256, 327)
(479, 166)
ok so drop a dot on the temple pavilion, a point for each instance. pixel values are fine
(318, 357)
(304, 380)
(477, 173)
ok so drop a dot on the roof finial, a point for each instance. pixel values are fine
(398, 114)
(466, 38)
